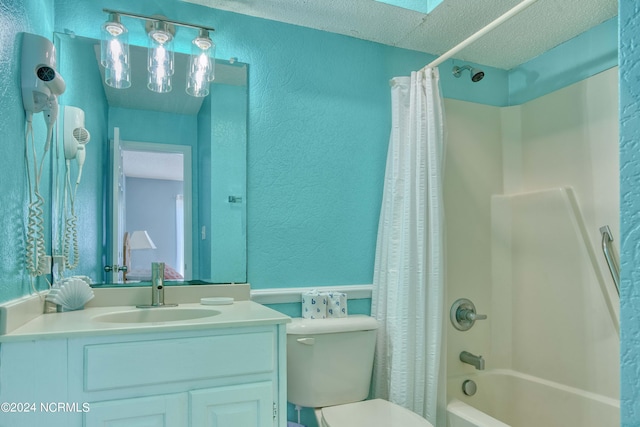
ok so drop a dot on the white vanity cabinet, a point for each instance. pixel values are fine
(222, 377)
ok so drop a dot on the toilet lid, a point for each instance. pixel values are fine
(371, 413)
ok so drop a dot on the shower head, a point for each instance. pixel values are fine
(476, 73)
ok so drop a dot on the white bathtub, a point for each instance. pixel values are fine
(508, 398)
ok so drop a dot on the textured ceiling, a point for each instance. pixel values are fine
(537, 29)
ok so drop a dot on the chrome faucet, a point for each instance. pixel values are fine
(157, 287)
(473, 360)
(157, 283)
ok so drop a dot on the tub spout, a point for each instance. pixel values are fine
(473, 360)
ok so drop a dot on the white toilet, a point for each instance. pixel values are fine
(329, 365)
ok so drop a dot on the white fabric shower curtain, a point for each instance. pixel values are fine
(408, 291)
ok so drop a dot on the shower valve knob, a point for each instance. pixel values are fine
(463, 314)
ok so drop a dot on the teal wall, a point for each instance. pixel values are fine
(630, 210)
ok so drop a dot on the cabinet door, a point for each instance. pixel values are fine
(246, 405)
(156, 411)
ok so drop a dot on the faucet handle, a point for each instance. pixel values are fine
(463, 314)
(469, 315)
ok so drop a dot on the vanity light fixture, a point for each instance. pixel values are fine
(160, 58)
(114, 56)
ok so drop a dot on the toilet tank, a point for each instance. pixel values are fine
(329, 361)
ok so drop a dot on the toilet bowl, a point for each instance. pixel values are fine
(329, 366)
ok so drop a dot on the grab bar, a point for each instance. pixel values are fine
(610, 256)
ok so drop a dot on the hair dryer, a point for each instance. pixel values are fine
(76, 136)
(41, 83)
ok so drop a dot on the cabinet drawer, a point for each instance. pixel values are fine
(144, 363)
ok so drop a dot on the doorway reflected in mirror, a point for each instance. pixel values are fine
(152, 201)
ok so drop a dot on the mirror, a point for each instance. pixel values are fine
(202, 138)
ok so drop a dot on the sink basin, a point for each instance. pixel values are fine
(146, 315)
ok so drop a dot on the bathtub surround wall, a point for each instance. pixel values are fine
(569, 136)
(566, 138)
(473, 173)
(546, 287)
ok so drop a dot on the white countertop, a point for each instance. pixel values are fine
(82, 322)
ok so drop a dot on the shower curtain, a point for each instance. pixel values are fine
(408, 291)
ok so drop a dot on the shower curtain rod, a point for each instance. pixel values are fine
(504, 17)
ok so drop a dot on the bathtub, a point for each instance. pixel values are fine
(507, 398)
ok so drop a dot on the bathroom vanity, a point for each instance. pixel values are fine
(220, 366)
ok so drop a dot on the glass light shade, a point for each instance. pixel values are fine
(114, 43)
(159, 81)
(202, 57)
(118, 76)
(160, 54)
(198, 84)
(201, 65)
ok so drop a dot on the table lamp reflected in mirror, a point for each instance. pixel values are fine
(139, 240)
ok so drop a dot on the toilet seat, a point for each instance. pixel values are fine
(370, 413)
